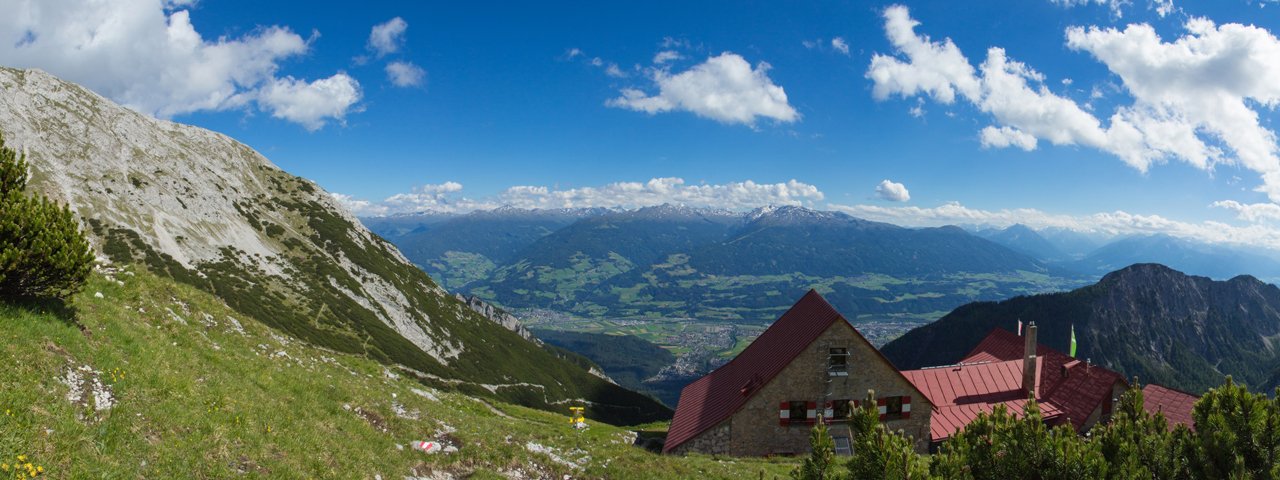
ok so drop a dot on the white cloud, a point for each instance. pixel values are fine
(657, 191)
(840, 45)
(406, 74)
(670, 43)
(613, 71)
(1007, 136)
(1251, 212)
(572, 53)
(361, 208)
(439, 197)
(892, 191)
(725, 88)
(1190, 95)
(145, 54)
(1114, 5)
(627, 195)
(1105, 223)
(936, 68)
(1204, 86)
(1163, 7)
(387, 37)
(666, 56)
(310, 104)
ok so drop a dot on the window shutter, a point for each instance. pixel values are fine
(906, 407)
(827, 412)
(812, 414)
(784, 414)
(884, 409)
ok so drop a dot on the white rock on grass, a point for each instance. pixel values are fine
(236, 326)
(551, 453)
(425, 394)
(84, 385)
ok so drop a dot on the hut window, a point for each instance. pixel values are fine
(838, 362)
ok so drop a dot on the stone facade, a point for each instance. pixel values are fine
(755, 430)
(714, 441)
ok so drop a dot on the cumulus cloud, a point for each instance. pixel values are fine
(666, 56)
(1251, 212)
(1007, 136)
(892, 191)
(310, 103)
(146, 54)
(840, 45)
(1203, 87)
(406, 74)
(1162, 7)
(1104, 223)
(626, 195)
(657, 191)
(361, 208)
(613, 71)
(429, 197)
(1190, 95)
(1113, 5)
(387, 37)
(725, 88)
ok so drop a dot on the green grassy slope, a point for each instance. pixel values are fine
(326, 316)
(196, 394)
(199, 207)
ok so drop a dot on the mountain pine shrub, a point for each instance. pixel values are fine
(879, 453)
(43, 253)
(821, 455)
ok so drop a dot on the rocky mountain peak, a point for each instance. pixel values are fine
(203, 209)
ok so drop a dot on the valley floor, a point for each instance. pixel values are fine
(152, 379)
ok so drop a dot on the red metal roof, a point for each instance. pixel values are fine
(715, 397)
(1176, 405)
(1067, 389)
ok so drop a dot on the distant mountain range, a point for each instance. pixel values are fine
(1145, 320)
(1215, 261)
(1084, 255)
(674, 261)
(1022, 238)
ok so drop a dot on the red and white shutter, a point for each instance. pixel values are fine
(884, 408)
(811, 414)
(784, 414)
(906, 408)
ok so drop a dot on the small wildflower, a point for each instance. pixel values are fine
(4, 467)
(40, 468)
(22, 458)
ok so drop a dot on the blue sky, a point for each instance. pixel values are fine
(499, 96)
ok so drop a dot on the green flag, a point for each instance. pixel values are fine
(1073, 340)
